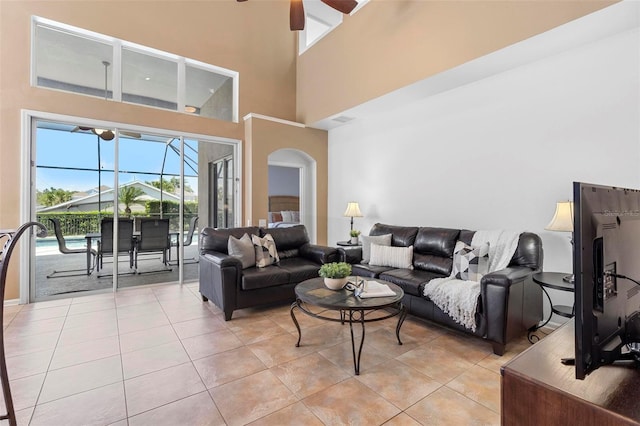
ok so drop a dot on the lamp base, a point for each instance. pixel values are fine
(571, 279)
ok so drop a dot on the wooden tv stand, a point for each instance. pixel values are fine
(537, 389)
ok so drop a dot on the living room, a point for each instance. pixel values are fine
(494, 143)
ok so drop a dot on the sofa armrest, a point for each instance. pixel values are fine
(221, 259)
(506, 277)
(220, 276)
(352, 255)
(319, 254)
(509, 295)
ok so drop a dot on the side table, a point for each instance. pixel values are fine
(348, 244)
(553, 280)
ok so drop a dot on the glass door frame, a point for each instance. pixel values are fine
(29, 119)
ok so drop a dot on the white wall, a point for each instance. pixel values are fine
(497, 153)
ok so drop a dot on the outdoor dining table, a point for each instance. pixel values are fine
(90, 236)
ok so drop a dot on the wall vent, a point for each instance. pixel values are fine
(343, 118)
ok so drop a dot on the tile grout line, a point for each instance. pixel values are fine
(46, 373)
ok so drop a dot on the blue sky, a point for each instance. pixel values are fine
(79, 149)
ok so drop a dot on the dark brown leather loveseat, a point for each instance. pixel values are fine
(510, 303)
(228, 286)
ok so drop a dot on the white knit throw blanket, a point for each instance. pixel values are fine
(459, 298)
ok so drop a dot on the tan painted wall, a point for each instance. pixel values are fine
(264, 137)
(252, 38)
(389, 44)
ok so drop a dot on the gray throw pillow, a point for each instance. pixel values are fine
(242, 249)
(382, 240)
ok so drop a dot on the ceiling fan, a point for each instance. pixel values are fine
(296, 11)
(105, 134)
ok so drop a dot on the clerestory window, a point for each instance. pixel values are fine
(75, 60)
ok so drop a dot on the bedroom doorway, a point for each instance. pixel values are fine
(297, 170)
(284, 196)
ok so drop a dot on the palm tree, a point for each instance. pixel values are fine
(128, 196)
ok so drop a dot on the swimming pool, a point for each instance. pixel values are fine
(73, 242)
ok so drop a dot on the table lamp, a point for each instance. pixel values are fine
(563, 221)
(353, 210)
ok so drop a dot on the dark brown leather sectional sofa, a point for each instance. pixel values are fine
(228, 286)
(510, 303)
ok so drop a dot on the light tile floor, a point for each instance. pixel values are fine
(160, 356)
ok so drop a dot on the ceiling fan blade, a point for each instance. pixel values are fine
(240, 1)
(296, 15)
(344, 6)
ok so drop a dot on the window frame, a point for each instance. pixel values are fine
(116, 66)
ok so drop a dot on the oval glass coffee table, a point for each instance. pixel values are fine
(352, 309)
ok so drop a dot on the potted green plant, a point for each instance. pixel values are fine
(354, 236)
(335, 274)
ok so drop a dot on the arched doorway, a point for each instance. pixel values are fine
(296, 159)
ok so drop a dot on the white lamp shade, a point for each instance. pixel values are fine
(353, 210)
(563, 217)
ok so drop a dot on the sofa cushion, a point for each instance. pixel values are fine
(369, 271)
(433, 249)
(266, 252)
(466, 236)
(269, 276)
(396, 257)
(299, 269)
(412, 281)
(242, 249)
(218, 239)
(288, 238)
(470, 263)
(383, 240)
(402, 236)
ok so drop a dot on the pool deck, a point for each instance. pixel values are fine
(150, 270)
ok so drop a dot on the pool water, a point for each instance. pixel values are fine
(73, 242)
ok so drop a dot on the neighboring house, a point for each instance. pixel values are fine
(105, 198)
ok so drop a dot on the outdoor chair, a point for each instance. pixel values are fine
(62, 246)
(125, 240)
(193, 224)
(153, 238)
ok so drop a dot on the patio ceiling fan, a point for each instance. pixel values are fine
(105, 134)
(296, 11)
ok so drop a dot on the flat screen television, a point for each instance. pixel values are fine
(606, 264)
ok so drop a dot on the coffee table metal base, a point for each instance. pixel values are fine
(353, 316)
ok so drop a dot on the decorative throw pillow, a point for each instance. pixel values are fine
(242, 248)
(275, 217)
(265, 249)
(395, 257)
(295, 216)
(287, 216)
(383, 240)
(470, 263)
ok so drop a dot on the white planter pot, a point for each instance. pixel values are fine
(354, 240)
(335, 283)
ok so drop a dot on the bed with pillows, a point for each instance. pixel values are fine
(478, 282)
(284, 211)
(252, 266)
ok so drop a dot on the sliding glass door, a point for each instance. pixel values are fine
(121, 206)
